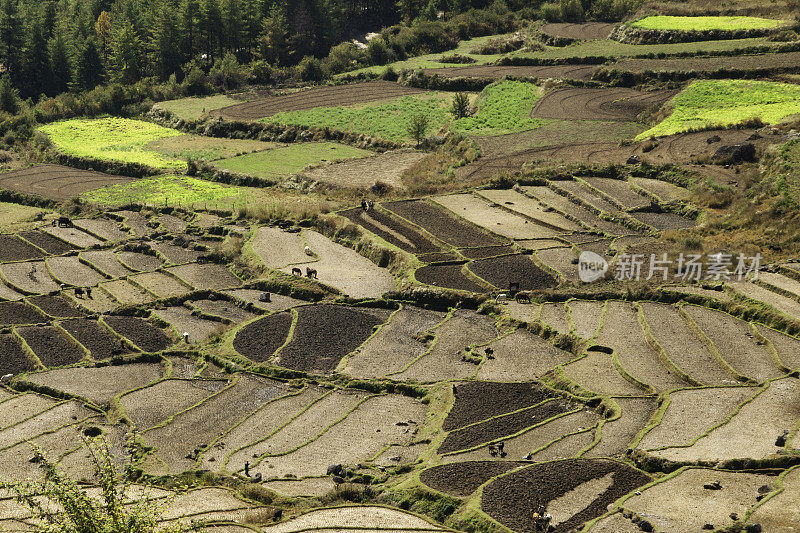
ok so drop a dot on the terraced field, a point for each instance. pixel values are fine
(405, 340)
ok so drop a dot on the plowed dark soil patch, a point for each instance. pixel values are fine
(57, 306)
(140, 332)
(602, 153)
(259, 340)
(440, 224)
(57, 182)
(589, 31)
(501, 271)
(664, 221)
(328, 96)
(502, 426)
(96, 338)
(12, 357)
(47, 242)
(386, 227)
(12, 313)
(567, 72)
(614, 104)
(479, 400)
(12, 248)
(326, 333)
(486, 251)
(448, 277)
(51, 347)
(760, 62)
(462, 479)
(513, 498)
(437, 257)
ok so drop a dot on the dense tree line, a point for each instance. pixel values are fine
(52, 46)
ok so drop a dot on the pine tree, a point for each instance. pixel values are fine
(88, 66)
(9, 98)
(273, 41)
(210, 23)
(190, 15)
(102, 29)
(60, 67)
(11, 36)
(233, 24)
(126, 53)
(165, 57)
(36, 66)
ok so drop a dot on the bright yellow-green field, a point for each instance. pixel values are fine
(113, 139)
(663, 22)
(290, 159)
(168, 191)
(710, 103)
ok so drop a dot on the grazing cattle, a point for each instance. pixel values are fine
(265, 297)
(6, 378)
(311, 273)
(89, 292)
(64, 222)
(79, 292)
(186, 337)
(297, 272)
(364, 204)
(502, 296)
(513, 287)
(308, 251)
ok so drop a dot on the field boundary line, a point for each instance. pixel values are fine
(662, 353)
(477, 193)
(728, 418)
(276, 355)
(164, 423)
(322, 432)
(516, 434)
(26, 348)
(344, 361)
(776, 357)
(87, 354)
(430, 348)
(88, 263)
(706, 340)
(276, 430)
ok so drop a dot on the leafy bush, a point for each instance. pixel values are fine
(311, 69)
(81, 513)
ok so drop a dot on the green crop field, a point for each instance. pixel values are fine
(710, 103)
(384, 119)
(206, 148)
(166, 190)
(195, 107)
(290, 159)
(503, 108)
(113, 139)
(667, 23)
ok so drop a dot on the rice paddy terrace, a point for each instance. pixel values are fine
(309, 333)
